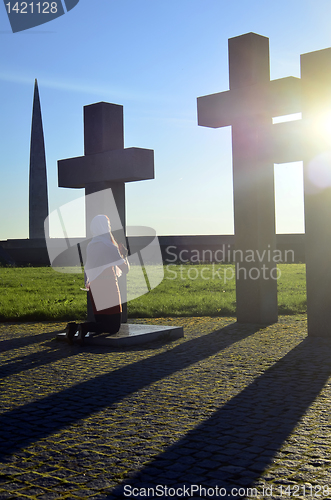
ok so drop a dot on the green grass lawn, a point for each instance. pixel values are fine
(41, 293)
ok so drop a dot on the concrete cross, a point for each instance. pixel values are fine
(248, 107)
(106, 164)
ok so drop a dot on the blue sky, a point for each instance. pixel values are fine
(154, 57)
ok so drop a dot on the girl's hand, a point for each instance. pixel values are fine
(123, 251)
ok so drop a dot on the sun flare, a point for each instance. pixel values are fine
(320, 129)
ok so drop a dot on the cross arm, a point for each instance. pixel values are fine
(285, 96)
(121, 165)
(287, 142)
(277, 97)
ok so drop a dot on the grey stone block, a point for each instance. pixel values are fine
(132, 335)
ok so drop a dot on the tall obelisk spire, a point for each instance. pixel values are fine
(38, 199)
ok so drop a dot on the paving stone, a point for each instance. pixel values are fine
(199, 471)
(213, 449)
(6, 495)
(208, 464)
(253, 449)
(171, 474)
(188, 460)
(103, 497)
(202, 454)
(232, 469)
(46, 482)
(244, 481)
(51, 496)
(32, 491)
(185, 451)
(180, 467)
(219, 475)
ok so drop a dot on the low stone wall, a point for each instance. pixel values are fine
(25, 252)
(182, 249)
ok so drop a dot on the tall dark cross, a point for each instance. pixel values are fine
(106, 164)
(248, 107)
(38, 200)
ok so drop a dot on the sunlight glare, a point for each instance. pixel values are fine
(319, 170)
(321, 127)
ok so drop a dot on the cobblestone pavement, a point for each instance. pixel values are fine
(229, 411)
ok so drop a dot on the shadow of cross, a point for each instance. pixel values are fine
(237, 445)
(104, 390)
(248, 107)
(105, 164)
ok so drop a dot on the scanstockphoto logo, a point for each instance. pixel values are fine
(25, 15)
(72, 255)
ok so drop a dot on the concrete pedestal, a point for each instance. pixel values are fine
(132, 335)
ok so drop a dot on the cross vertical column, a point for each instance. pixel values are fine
(253, 184)
(104, 131)
(316, 114)
(248, 107)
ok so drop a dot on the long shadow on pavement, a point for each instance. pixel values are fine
(35, 360)
(235, 445)
(26, 340)
(40, 418)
